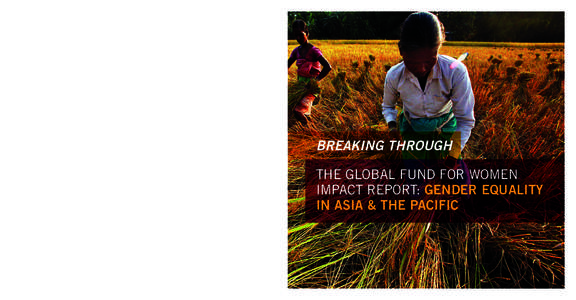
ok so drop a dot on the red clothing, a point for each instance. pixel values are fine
(308, 64)
(305, 105)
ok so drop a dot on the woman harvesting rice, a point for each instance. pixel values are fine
(311, 66)
(434, 89)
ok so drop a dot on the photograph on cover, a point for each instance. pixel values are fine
(425, 149)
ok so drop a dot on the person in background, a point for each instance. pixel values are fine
(312, 65)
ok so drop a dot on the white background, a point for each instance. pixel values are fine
(143, 149)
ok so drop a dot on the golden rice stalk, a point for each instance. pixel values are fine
(340, 85)
(298, 89)
(491, 72)
(522, 95)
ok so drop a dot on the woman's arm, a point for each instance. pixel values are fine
(293, 57)
(326, 68)
(291, 60)
(463, 104)
(389, 100)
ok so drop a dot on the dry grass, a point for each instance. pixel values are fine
(520, 115)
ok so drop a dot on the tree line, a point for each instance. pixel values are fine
(493, 26)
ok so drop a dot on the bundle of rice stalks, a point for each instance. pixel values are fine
(341, 86)
(298, 89)
(510, 74)
(355, 65)
(554, 90)
(491, 72)
(522, 95)
(550, 76)
(365, 83)
(500, 90)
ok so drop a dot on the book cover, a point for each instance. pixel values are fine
(388, 188)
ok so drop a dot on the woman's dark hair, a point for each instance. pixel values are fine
(421, 30)
(299, 25)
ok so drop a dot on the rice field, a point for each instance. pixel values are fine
(519, 109)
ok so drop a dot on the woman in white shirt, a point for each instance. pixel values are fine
(434, 91)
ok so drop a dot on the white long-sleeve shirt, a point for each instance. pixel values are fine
(446, 88)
